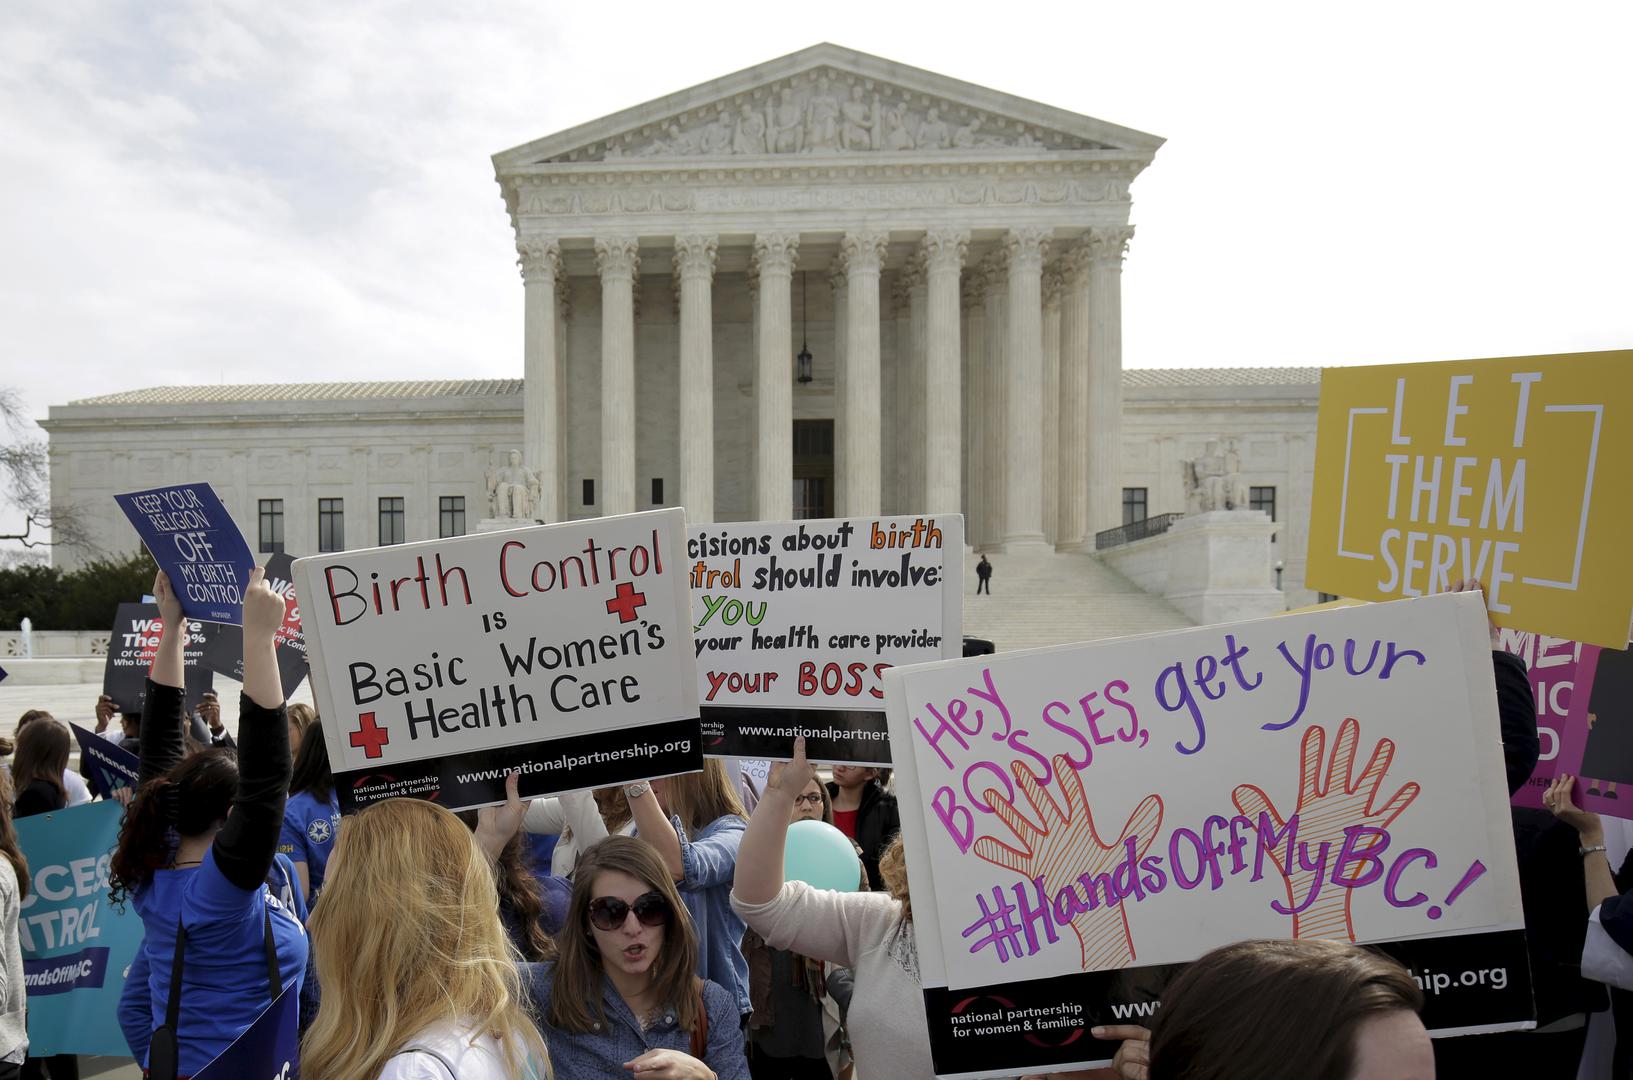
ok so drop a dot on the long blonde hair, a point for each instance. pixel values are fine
(575, 999)
(701, 797)
(407, 936)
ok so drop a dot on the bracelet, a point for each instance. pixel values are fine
(1590, 850)
(635, 791)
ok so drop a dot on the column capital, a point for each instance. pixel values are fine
(564, 297)
(1107, 246)
(913, 271)
(539, 258)
(1027, 248)
(1075, 260)
(900, 293)
(695, 256)
(994, 271)
(617, 257)
(864, 251)
(775, 253)
(1054, 284)
(837, 277)
(943, 250)
(973, 289)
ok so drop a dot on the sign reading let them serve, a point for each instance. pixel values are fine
(1510, 471)
(562, 651)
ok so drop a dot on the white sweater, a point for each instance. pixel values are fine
(865, 932)
(13, 994)
(576, 811)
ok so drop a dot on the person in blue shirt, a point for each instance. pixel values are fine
(312, 815)
(199, 840)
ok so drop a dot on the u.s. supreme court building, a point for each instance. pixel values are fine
(827, 285)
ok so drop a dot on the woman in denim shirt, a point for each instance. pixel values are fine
(621, 997)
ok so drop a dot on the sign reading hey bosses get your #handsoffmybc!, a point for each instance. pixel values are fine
(794, 622)
(1082, 821)
(563, 652)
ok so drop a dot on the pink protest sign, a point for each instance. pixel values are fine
(1598, 740)
(1553, 665)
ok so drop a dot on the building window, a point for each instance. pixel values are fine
(1262, 498)
(1134, 505)
(1325, 597)
(589, 492)
(451, 516)
(657, 491)
(391, 521)
(272, 525)
(331, 525)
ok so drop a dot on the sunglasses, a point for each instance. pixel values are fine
(609, 912)
(813, 798)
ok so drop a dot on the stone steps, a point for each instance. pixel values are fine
(1053, 598)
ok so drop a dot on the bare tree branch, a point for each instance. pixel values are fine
(25, 482)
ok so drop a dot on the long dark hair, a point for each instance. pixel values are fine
(312, 772)
(521, 900)
(42, 754)
(9, 847)
(190, 798)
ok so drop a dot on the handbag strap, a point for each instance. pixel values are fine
(172, 1008)
(700, 1033)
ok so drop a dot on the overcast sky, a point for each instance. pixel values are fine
(301, 190)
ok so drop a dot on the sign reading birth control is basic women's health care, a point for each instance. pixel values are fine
(795, 622)
(563, 652)
(1508, 471)
(1083, 821)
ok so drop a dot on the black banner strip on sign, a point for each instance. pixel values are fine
(572, 763)
(830, 734)
(1470, 980)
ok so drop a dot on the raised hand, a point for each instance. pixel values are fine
(169, 603)
(495, 825)
(105, 708)
(794, 775)
(1324, 810)
(263, 608)
(1068, 846)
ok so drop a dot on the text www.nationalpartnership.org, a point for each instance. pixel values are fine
(575, 761)
(1429, 981)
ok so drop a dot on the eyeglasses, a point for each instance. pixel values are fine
(811, 798)
(610, 912)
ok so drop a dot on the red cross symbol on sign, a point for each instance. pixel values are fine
(626, 602)
(369, 736)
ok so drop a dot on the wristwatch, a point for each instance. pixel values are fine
(636, 790)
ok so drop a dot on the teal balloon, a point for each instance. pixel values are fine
(821, 856)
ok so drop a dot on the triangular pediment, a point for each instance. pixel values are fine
(828, 101)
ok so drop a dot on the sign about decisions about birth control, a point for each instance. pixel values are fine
(795, 622)
(563, 652)
(1085, 820)
(195, 541)
(1509, 471)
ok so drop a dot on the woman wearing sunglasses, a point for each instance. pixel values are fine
(621, 997)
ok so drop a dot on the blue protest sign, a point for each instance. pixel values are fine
(106, 767)
(268, 1047)
(77, 945)
(194, 540)
(3, 674)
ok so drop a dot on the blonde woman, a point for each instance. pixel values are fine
(419, 980)
(622, 998)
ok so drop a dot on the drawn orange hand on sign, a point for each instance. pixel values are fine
(1324, 811)
(1067, 853)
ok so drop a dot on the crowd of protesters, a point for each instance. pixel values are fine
(658, 937)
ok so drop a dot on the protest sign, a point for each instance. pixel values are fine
(194, 540)
(1501, 470)
(137, 629)
(77, 944)
(106, 767)
(795, 621)
(562, 651)
(1553, 666)
(224, 652)
(270, 1047)
(1082, 821)
(1597, 746)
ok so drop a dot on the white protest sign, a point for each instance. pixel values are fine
(795, 622)
(1080, 821)
(562, 651)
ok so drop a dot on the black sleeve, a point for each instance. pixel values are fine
(1517, 714)
(225, 741)
(37, 798)
(247, 842)
(160, 739)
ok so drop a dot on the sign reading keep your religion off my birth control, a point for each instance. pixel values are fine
(563, 652)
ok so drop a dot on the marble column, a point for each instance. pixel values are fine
(540, 260)
(837, 279)
(774, 257)
(995, 282)
(943, 253)
(1105, 417)
(975, 366)
(618, 260)
(1050, 470)
(564, 472)
(864, 253)
(917, 373)
(898, 440)
(1023, 442)
(1072, 521)
(694, 273)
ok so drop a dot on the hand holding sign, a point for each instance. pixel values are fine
(169, 603)
(1067, 852)
(1340, 819)
(794, 775)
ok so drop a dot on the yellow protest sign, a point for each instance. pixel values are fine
(1513, 471)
